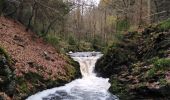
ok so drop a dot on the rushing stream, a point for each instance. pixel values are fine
(89, 87)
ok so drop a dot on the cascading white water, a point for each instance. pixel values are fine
(89, 87)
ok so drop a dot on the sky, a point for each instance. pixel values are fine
(95, 1)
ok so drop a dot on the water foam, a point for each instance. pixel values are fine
(89, 87)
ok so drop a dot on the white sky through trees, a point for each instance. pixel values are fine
(96, 2)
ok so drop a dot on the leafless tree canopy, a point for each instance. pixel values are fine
(85, 20)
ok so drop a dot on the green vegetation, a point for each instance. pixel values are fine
(136, 59)
(3, 52)
(52, 39)
(74, 69)
(138, 62)
(7, 82)
(163, 82)
(165, 25)
(118, 89)
(73, 44)
(162, 64)
(151, 72)
(1, 6)
(158, 65)
(123, 25)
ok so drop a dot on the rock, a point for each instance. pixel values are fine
(7, 82)
(3, 60)
(33, 64)
(3, 96)
(10, 90)
(70, 52)
(17, 38)
(168, 77)
(138, 51)
(46, 56)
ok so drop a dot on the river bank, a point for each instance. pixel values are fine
(28, 64)
(139, 64)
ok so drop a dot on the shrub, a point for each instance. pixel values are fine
(97, 44)
(118, 37)
(72, 40)
(85, 46)
(165, 25)
(162, 64)
(52, 39)
(122, 25)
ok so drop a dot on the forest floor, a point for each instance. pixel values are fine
(25, 48)
(30, 53)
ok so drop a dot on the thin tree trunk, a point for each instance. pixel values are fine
(31, 17)
(140, 14)
(50, 25)
(149, 11)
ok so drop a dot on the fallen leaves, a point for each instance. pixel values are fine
(24, 49)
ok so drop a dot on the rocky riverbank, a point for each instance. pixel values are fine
(138, 65)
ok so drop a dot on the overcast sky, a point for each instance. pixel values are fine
(95, 1)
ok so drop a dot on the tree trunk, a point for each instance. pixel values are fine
(31, 17)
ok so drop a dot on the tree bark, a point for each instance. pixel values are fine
(31, 17)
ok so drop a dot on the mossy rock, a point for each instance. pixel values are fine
(6, 55)
(141, 56)
(7, 83)
(119, 54)
(72, 67)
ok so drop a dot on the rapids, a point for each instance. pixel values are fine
(89, 87)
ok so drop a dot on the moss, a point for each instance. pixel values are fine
(162, 64)
(165, 25)
(136, 60)
(31, 83)
(72, 66)
(151, 72)
(23, 88)
(71, 71)
(117, 55)
(119, 89)
(3, 52)
(163, 82)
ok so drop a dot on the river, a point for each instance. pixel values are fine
(89, 87)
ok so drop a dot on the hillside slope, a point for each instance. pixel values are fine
(35, 63)
(138, 65)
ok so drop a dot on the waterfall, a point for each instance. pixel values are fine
(89, 87)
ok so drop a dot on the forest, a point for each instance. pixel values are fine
(133, 35)
(73, 25)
